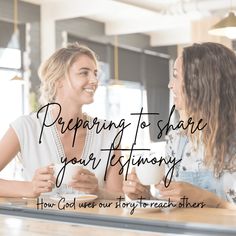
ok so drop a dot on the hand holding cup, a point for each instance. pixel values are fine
(133, 189)
(43, 181)
(85, 181)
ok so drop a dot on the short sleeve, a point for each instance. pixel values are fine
(17, 126)
(22, 127)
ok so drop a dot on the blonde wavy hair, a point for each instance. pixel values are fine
(209, 71)
(57, 66)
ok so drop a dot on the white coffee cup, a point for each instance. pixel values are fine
(149, 173)
(69, 171)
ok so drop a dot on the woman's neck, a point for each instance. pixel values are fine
(68, 111)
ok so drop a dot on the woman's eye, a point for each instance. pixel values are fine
(84, 73)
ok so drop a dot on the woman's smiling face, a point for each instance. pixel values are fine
(82, 80)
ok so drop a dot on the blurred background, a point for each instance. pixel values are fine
(136, 41)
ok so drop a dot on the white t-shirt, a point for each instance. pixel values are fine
(50, 150)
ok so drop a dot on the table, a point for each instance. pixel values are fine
(204, 221)
(10, 225)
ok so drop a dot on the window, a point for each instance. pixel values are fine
(10, 58)
(11, 98)
(11, 92)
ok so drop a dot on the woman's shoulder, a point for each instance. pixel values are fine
(25, 121)
(25, 126)
(32, 117)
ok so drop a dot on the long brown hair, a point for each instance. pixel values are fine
(209, 71)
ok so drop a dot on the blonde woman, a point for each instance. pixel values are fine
(203, 87)
(69, 79)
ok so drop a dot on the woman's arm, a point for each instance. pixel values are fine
(178, 189)
(43, 178)
(12, 188)
(9, 147)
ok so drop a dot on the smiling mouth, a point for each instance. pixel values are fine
(89, 90)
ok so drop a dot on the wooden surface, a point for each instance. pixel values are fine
(10, 225)
(202, 217)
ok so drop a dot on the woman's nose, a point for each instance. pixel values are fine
(93, 79)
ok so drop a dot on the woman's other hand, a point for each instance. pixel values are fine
(85, 181)
(134, 189)
(43, 181)
(177, 190)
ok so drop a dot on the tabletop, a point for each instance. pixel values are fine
(116, 214)
(10, 225)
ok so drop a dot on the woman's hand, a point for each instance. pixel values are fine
(177, 190)
(134, 189)
(42, 182)
(85, 181)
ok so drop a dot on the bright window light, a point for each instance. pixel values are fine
(10, 58)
